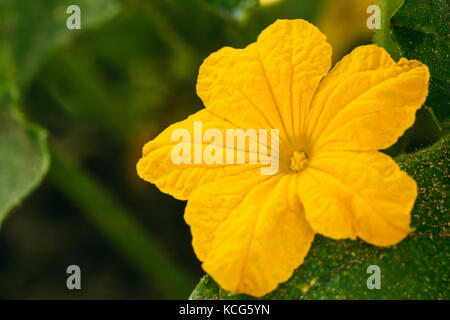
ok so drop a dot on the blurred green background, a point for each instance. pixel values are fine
(100, 93)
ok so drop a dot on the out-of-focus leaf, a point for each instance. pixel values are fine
(236, 9)
(32, 28)
(344, 24)
(28, 30)
(416, 268)
(96, 85)
(24, 157)
(23, 147)
(383, 36)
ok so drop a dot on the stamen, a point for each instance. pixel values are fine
(299, 161)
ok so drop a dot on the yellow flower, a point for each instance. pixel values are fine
(251, 230)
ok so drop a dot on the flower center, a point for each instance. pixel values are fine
(299, 161)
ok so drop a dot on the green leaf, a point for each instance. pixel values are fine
(383, 36)
(32, 28)
(24, 154)
(416, 268)
(23, 147)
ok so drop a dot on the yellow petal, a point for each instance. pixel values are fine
(270, 83)
(179, 180)
(364, 194)
(249, 231)
(367, 101)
